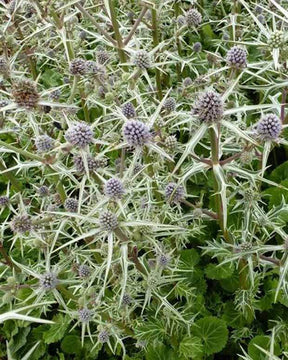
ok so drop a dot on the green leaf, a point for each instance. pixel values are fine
(213, 332)
(190, 257)
(216, 272)
(191, 347)
(18, 340)
(264, 343)
(160, 352)
(56, 331)
(71, 344)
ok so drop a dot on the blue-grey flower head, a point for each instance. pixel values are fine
(48, 281)
(85, 315)
(103, 336)
(193, 18)
(79, 135)
(128, 110)
(142, 59)
(44, 143)
(136, 133)
(114, 188)
(71, 205)
(174, 193)
(78, 67)
(237, 57)
(108, 221)
(269, 127)
(21, 224)
(84, 271)
(79, 163)
(209, 107)
(169, 104)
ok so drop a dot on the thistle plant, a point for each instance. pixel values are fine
(143, 179)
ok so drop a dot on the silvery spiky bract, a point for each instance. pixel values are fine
(114, 188)
(193, 18)
(4, 200)
(71, 205)
(78, 67)
(169, 104)
(103, 336)
(128, 110)
(237, 57)
(142, 59)
(174, 193)
(48, 281)
(85, 315)
(136, 133)
(79, 135)
(25, 93)
(44, 143)
(108, 221)
(269, 127)
(21, 224)
(79, 164)
(84, 271)
(209, 107)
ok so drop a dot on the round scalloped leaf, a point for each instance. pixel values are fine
(213, 332)
(263, 342)
(191, 347)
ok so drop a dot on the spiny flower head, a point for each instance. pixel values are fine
(78, 67)
(193, 18)
(48, 281)
(92, 163)
(71, 205)
(174, 193)
(136, 133)
(171, 142)
(128, 110)
(108, 221)
(209, 107)
(79, 135)
(102, 56)
(85, 315)
(237, 57)
(21, 224)
(187, 82)
(197, 47)
(25, 94)
(127, 300)
(43, 191)
(4, 200)
(169, 104)
(114, 188)
(44, 143)
(84, 271)
(103, 336)
(163, 260)
(142, 59)
(269, 127)
(96, 69)
(276, 40)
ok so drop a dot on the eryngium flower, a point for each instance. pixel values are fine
(44, 143)
(169, 104)
(126, 299)
(114, 188)
(209, 107)
(84, 271)
(180, 20)
(197, 47)
(43, 191)
(78, 67)
(276, 40)
(136, 133)
(163, 260)
(79, 163)
(79, 135)
(71, 205)
(269, 127)
(48, 281)
(21, 224)
(103, 336)
(102, 56)
(171, 142)
(3, 103)
(187, 82)
(128, 110)
(25, 94)
(174, 193)
(85, 315)
(193, 18)
(237, 57)
(4, 201)
(108, 221)
(142, 59)
(96, 69)
(55, 94)
(4, 67)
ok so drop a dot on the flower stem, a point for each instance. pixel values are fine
(135, 26)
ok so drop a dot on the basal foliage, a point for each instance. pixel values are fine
(143, 179)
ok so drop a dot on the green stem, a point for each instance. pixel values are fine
(84, 105)
(155, 35)
(73, 90)
(136, 24)
(21, 151)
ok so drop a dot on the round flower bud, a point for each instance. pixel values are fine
(246, 246)
(276, 40)
(55, 95)
(44, 143)
(258, 9)
(114, 188)
(171, 142)
(85, 315)
(180, 20)
(197, 47)
(163, 260)
(102, 56)
(3, 103)
(261, 18)
(77, 67)
(4, 201)
(79, 135)
(126, 299)
(43, 191)
(48, 281)
(21, 224)
(108, 221)
(137, 168)
(128, 110)
(187, 82)
(82, 35)
(103, 336)
(269, 127)
(237, 57)
(169, 104)
(25, 94)
(226, 36)
(84, 271)
(4, 66)
(209, 107)
(71, 205)
(103, 162)
(174, 193)
(96, 69)
(79, 163)
(136, 133)
(247, 157)
(193, 18)
(142, 59)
